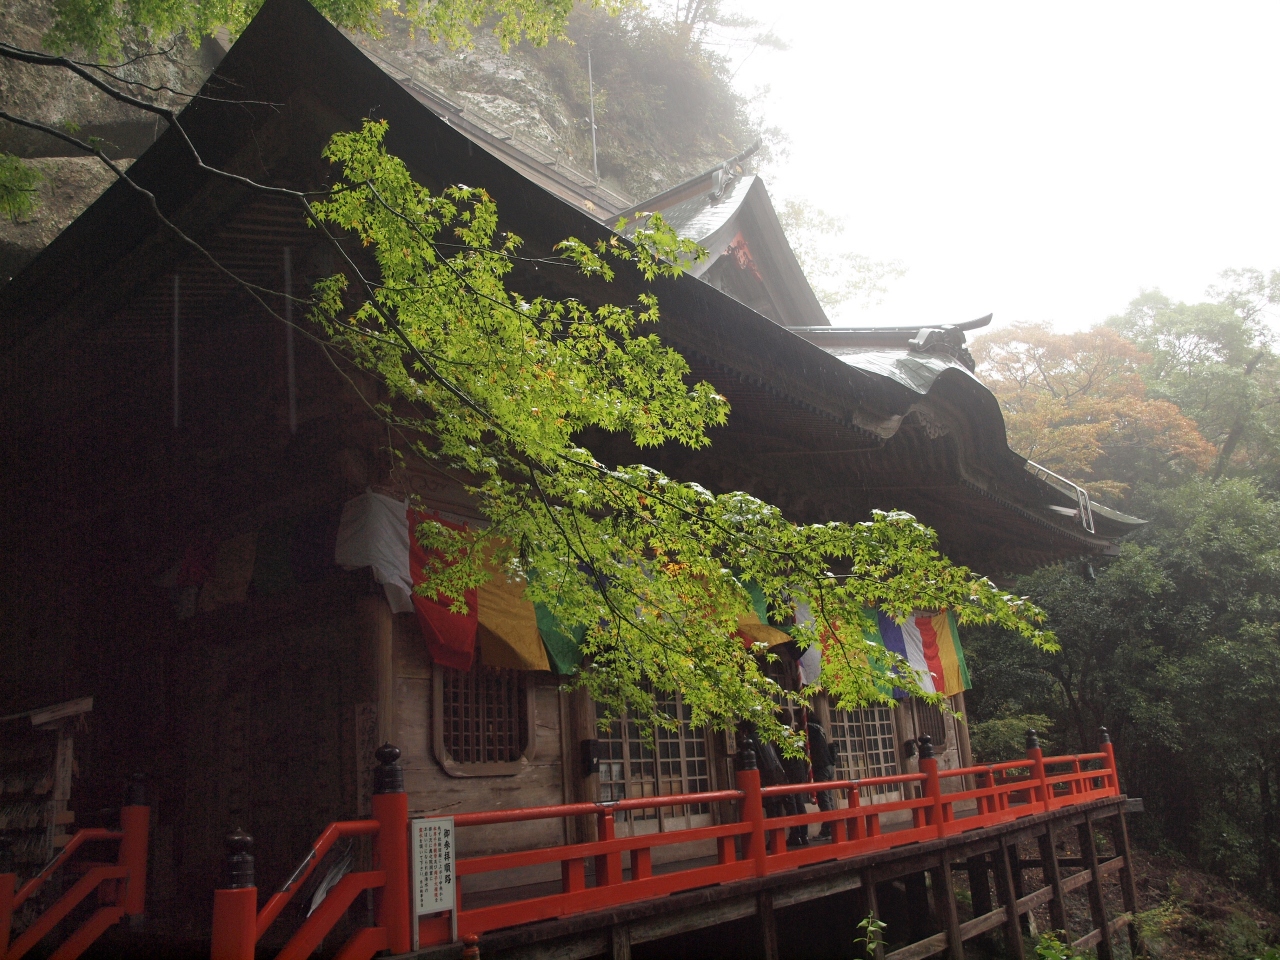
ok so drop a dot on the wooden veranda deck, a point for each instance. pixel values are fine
(958, 819)
(986, 857)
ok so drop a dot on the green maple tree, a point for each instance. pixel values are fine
(652, 572)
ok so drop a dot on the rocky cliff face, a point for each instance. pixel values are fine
(71, 181)
(69, 185)
(533, 94)
(530, 94)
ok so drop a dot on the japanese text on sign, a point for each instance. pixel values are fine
(432, 851)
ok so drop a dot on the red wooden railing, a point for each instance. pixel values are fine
(931, 804)
(238, 924)
(606, 853)
(756, 846)
(121, 888)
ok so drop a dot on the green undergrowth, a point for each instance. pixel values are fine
(1207, 929)
(1189, 915)
(1049, 947)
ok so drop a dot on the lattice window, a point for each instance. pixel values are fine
(482, 717)
(683, 766)
(866, 746)
(930, 720)
(629, 768)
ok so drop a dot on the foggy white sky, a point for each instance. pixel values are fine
(1042, 161)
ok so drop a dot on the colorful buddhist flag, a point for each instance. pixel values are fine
(501, 629)
(930, 642)
(451, 637)
(753, 627)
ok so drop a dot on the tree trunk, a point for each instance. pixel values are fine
(1270, 842)
(1228, 448)
(1074, 707)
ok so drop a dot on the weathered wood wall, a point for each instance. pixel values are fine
(267, 732)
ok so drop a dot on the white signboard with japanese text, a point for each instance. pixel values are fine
(431, 847)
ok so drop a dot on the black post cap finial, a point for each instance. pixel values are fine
(239, 860)
(746, 759)
(1104, 736)
(135, 791)
(1033, 740)
(389, 775)
(926, 747)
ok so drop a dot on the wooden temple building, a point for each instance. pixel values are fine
(176, 469)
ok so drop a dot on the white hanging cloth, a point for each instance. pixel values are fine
(374, 532)
(810, 662)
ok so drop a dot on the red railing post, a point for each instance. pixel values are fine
(235, 906)
(932, 783)
(858, 825)
(608, 865)
(135, 827)
(747, 778)
(1036, 758)
(391, 810)
(1113, 775)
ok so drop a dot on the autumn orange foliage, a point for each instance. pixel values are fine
(1075, 403)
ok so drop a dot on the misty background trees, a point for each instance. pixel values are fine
(1168, 411)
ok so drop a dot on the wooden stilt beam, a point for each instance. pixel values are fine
(1016, 865)
(1097, 904)
(944, 890)
(768, 926)
(1053, 879)
(620, 938)
(1128, 890)
(873, 908)
(1015, 869)
(1009, 899)
(980, 886)
(918, 921)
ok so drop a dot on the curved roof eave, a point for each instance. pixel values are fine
(922, 373)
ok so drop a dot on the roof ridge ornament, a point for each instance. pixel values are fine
(730, 170)
(948, 340)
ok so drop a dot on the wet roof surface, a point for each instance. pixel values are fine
(703, 215)
(916, 371)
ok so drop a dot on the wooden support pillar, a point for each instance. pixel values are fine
(378, 626)
(1019, 888)
(873, 908)
(582, 726)
(917, 890)
(944, 890)
(1015, 869)
(1097, 904)
(979, 871)
(621, 938)
(1009, 899)
(768, 926)
(1128, 891)
(1053, 879)
(979, 885)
